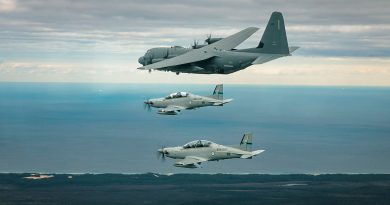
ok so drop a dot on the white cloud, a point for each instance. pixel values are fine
(299, 66)
(7, 5)
(101, 41)
(346, 29)
(293, 70)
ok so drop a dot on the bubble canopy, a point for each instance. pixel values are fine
(197, 143)
(177, 95)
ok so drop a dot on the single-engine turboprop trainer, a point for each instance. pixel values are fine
(192, 154)
(175, 102)
(218, 55)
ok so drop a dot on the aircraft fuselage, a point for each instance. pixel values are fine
(190, 102)
(227, 61)
(212, 153)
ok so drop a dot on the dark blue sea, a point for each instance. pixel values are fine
(104, 128)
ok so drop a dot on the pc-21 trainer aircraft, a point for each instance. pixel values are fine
(192, 154)
(218, 56)
(175, 102)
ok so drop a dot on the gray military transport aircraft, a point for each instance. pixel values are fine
(175, 102)
(192, 154)
(218, 55)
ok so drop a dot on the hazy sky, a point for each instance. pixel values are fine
(341, 42)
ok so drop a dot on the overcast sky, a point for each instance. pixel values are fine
(343, 42)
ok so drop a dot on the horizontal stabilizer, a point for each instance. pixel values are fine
(293, 48)
(222, 102)
(257, 152)
(254, 153)
(227, 101)
(266, 57)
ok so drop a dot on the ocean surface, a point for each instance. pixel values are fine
(192, 189)
(104, 128)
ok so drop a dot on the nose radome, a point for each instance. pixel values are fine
(141, 60)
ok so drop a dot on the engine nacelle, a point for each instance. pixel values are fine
(155, 60)
(212, 40)
(196, 46)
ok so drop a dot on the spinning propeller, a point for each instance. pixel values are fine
(147, 105)
(208, 38)
(161, 153)
(195, 45)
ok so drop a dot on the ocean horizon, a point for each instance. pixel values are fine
(104, 128)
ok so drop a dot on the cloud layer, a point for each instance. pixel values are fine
(96, 35)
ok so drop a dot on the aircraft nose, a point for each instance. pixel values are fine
(141, 60)
(148, 102)
(163, 151)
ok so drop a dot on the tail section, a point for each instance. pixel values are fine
(274, 39)
(246, 145)
(246, 142)
(218, 92)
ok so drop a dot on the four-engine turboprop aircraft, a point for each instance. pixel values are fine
(175, 102)
(218, 56)
(192, 154)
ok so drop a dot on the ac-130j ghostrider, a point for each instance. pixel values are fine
(218, 56)
(192, 154)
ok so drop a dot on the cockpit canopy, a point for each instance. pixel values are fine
(177, 95)
(197, 143)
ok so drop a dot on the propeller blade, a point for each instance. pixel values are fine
(208, 37)
(161, 154)
(195, 44)
(158, 154)
(148, 105)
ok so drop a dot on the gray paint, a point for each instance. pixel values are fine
(176, 102)
(192, 154)
(273, 45)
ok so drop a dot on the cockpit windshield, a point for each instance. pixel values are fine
(197, 143)
(177, 95)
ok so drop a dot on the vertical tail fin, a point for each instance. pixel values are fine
(218, 92)
(274, 39)
(246, 142)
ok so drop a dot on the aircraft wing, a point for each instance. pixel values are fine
(190, 162)
(206, 52)
(171, 110)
